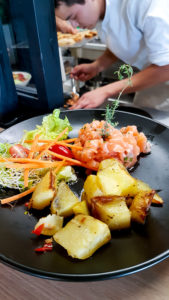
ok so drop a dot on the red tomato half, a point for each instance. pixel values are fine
(62, 150)
(18, 151)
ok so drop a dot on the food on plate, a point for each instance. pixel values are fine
(142, 186)
(113, 178)
(74, 98)
(21, 78)
(117, 206)
(90, 33)
(81, 208)
(100, 140)
(52, 125)
(44, 191)
(48, 225)
(29, 153)
(111, 199)
(111, 210)
(64, 200)
(140, 206)
(68, 39)
(82, 236)
(66, 42)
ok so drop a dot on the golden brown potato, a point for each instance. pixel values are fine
(121, 181)
(115, 179)
(142, 186)
(44, 192)
(52, 223)
(112, 210)
(91, 188)
(64, 201)
(111, 162)
(83, 196)
(81, 208)
(82, 236)
(140, 206)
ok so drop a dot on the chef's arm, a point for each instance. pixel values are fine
(146, 78)
(150, 76)
(105, 60)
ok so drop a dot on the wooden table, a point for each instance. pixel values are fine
(151, 283)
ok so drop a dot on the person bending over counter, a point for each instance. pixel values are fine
(134, 31)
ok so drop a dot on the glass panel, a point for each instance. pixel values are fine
(16, 39)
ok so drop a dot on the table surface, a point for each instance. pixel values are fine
(152, 282)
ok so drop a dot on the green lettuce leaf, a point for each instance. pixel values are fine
(51, 126)
(4, 149)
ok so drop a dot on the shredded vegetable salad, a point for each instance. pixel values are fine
(52, 126)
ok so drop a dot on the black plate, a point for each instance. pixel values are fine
(128, 251)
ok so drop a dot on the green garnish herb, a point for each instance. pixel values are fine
(124, 70)
(110, 112)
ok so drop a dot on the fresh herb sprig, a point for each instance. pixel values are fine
(124, 70)
(110, 112)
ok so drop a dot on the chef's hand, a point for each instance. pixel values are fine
(84, 72)
(64, 26)
(91, 99)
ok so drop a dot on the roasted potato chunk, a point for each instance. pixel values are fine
(112, 210)
(91, 188)
(52, 223)
(115, 180)
(81, 208)
(142, 186)
(44, 192)
(140, 206)
(111, 162)
(82, 236)
(64, 201)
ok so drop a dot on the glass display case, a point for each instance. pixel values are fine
(30, 64)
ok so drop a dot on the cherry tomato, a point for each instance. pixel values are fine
(62, 150)
(18, 151)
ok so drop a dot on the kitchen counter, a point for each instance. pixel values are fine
(149, 283)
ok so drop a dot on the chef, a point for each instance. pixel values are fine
(134, 31)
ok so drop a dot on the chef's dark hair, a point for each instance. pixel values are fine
(68, 2)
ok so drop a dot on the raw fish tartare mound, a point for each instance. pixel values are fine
(100, 140)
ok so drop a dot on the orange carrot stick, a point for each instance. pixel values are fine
(32, 165)
(69, 145)
(18, 196)
(70, 140)
(52, 143)
(23, 160)
(71, 160)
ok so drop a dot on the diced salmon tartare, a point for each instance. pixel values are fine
(100, 140)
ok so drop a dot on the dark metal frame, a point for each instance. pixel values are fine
(8, 95)
(41, 31)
